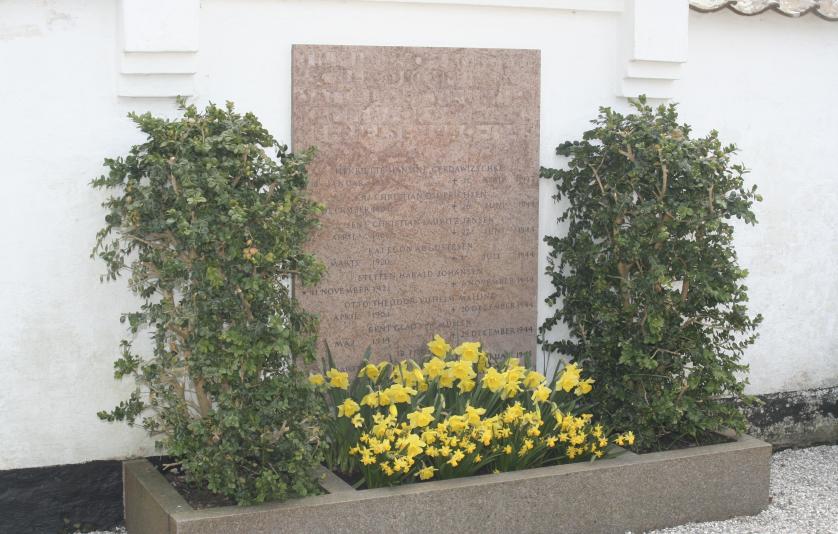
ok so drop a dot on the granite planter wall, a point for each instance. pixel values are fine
(629, 492)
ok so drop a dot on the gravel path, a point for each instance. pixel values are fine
(804, 499)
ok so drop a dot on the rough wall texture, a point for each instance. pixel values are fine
(796, 418)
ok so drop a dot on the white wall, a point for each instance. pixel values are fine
(765, 82)
(769, 84)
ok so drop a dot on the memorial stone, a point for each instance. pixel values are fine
(427, 164)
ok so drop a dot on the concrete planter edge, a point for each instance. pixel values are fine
(628, 493)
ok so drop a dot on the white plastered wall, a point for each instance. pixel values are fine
(68, 76)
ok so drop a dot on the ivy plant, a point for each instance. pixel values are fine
(210, 228)
(647, 275)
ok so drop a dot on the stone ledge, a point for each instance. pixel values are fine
(630, 492)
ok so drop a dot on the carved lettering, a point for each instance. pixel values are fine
(427, 165)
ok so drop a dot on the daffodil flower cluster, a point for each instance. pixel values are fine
(453, 415)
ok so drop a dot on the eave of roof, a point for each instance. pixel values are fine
(825, 9)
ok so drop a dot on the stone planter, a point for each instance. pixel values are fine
(629, 492)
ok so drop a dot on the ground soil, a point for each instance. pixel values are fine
(198, 496)
(671, 442)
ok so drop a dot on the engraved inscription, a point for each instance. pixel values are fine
(427, 164)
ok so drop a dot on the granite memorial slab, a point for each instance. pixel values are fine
(427, 163)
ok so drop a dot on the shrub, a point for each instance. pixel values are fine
(209, 226)
(454, 416)
(647, 273)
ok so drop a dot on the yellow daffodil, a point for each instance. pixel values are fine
(458, 423)
(399, 463)
(541, 394)
(431, 430)
(461, 370)
(584, 387)
(370, 371)
(514, 371)
(414, 378)
(469, 351)
(513, 413)
(421, 418)
(569, 378)
(370, 399)
(367, 458)
(533, 380)
(446, 380)
(493, 380)
(456, 458)
(510, 389)
(400, 394)
(474, 414)
(527, 445)
(482, 362)
(384, 398)
(434, 367)
(486, 437)
(396, 374)
(426, 473)
(466, 386)
(429, 437)
(438, 346)
(348, 408)
(412, 445)
(316, 379)
(338, 379)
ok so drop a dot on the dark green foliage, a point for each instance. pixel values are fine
(211, 228)
(647, 275)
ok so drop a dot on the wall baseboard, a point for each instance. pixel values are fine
(61, 498)
(796, 418)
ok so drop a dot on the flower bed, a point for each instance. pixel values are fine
(629, 492)
(493, 448)
(453, 415)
